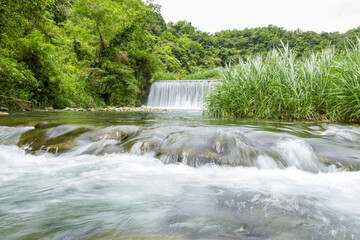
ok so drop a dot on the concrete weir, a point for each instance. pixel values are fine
(179, 94)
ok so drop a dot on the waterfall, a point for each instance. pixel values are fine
(179, 94)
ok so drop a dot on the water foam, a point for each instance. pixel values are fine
(83, 196)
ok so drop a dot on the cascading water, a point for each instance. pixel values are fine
(176, 175)
(179, 94)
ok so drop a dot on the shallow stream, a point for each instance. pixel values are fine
(176, 175)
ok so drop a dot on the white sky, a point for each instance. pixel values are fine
(216, 15)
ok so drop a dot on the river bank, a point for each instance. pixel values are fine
(107, 109)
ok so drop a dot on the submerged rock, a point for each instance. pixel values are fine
(54, 140)
(42, 124)
(339, 156)
(106, 140)
(148, 140)
(118, 133)
(139, 237)
(114, 109)
(196, 147)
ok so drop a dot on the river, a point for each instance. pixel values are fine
(176, 175)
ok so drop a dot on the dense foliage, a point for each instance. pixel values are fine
(324, 86)
(75, 53)
(83, 53)
(232, 46)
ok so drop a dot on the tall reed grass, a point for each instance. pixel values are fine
(324, 86)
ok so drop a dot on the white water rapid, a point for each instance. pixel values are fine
(176, 175)
(179, 94)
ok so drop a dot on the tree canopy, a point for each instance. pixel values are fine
(106, 52)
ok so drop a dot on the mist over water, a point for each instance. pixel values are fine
(176, 176)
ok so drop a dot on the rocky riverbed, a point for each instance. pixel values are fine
(90, 175)
(112, 109)
(4, 111)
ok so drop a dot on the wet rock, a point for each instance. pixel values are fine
(194, 146)
(48, 108)
(147, 140)
(339, 156)
(143, 146)
(203, 146)
(68, 109)
(139, 237)
(349, 134)
(41, 125)
(117, 133)
(107, 146)
(115, 109)
(310, 154)
(106, 140)
(4, 109)
(54, 140)
(267, 138)
(190, 157)
(4, 113)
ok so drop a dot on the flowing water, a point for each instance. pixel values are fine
(176, 175)
(179, 94)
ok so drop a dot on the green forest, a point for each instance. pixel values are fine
(87, 53)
